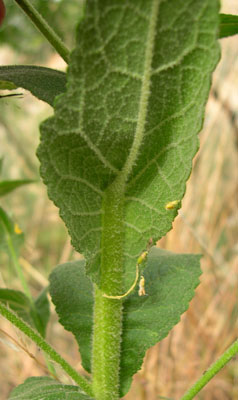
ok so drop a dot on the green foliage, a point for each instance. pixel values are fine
(9, 231)
(36, 314)
(228, 25)
(40, 312)
(129, 118)
(7, 85)
(44, 388)
(170, 283)
(44, 83)
(19, 33)
(18, 302)
(115, 157)
(8, 186)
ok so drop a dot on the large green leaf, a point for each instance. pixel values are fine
(8, 186)
(228, 25)
(137, 86)
(44, 83)
(44, 388)
(170, 283)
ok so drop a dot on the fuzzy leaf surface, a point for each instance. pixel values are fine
(138, 82)
(44, 388)
(170, 282)
(44, 83)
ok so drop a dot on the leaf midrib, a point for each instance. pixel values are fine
(145, 92)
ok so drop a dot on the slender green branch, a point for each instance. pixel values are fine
(18, 268)
(42, 344)
(44, 28)
(213, 370)
(6, 225)
(14, 257)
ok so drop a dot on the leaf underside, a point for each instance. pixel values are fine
(44, 388)
(170, 283)
(137, 86)
(44, 83)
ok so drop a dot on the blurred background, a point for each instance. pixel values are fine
(207, 224)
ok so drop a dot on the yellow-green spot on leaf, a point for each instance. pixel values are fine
(171, 205)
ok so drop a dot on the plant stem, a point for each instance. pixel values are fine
(213, 370)
(42, 344)
(14, 256)
(44, 28)
(108, 312)
(18, 268)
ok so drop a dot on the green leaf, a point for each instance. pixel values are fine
(228, 25)
(137, 86)
(170, 282)
(41, 312)
(9, 230)
(8, 186)
(44, 388)
(18, 302)
(36, 315)
(44, 83)
(7, 85)
(71, 292)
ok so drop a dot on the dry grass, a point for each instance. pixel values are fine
(207, 224)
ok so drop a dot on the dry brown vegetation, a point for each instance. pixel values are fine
(207, 224)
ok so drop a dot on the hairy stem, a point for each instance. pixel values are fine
(42, 344)
(44, 28)
(213, 370)
(108, 312)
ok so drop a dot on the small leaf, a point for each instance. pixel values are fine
(8, 186)
(41, 312)
(44, 388)
(18, 302)
(228, 25)
(170, 280)
(9, 231)
(44, 83)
